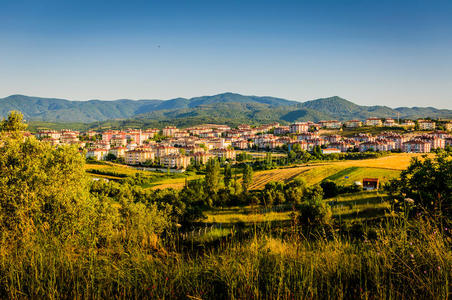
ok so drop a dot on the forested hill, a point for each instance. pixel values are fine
(226, 107)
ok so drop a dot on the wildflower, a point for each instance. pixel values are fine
(425, 271)
(412, 256)
(409, 200)
(439, 268)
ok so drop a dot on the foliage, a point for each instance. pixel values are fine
(247, 178)
(427, 183)
(13, 123)
(212, 178)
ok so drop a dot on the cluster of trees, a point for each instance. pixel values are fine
(425, 187)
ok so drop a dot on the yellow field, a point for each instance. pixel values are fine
(385, 168)
(260, 179)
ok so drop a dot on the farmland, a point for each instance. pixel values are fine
(342, 172)
(384, 168)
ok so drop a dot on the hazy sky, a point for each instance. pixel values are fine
(395, 53)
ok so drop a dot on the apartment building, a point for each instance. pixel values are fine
(98, 154)
(416, 146)
(426, 125)
(138, 156)
(175, 161)
(373, 122)
(299, 127)
(353, 124)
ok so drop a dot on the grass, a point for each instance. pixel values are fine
(345, 207)
(245, 214)
(396, 264)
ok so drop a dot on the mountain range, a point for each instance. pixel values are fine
(225, 108)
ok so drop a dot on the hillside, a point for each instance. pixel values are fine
(226, 108)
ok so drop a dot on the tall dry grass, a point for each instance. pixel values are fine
(402, 260)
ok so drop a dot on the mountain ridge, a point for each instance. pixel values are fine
(222, 106)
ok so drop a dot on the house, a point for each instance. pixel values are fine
(175, 161)
(426, 125)
(373, 122)
(370, 184)
(353, 124)
(330, 150)
(416, 146)
(298, 127)
(98, 154)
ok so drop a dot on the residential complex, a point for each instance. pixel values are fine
(178, 148)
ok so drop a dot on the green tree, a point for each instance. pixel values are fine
(212, 178)
(42, 189)
(314, 213)
(427, 182)
(13, 123)
(330, 188)
(227, 175)
(247, 178)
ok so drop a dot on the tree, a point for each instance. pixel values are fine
(314, 213)
(247, 178)
(295, 190)
(330, 188)
(212, 178)
(317, 152)
(227, 175)
(427, 182)
(110, 157)
(42, 189)
(14, 122)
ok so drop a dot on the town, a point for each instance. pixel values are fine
(177, 148)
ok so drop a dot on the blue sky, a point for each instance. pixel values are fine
(395, 53)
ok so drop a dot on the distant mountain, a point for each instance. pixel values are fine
(226, 108)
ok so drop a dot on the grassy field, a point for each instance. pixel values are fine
(355, 206)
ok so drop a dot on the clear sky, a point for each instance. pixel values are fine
(395, 53)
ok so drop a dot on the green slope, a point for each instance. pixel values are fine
(227, 107)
